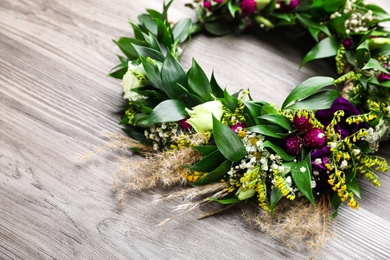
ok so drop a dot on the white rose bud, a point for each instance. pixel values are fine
(130, 81)
(201, 115)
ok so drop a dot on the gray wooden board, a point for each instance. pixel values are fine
(56, 102)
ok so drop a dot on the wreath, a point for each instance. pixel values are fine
(312, 150)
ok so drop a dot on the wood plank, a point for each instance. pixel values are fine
(56, 102)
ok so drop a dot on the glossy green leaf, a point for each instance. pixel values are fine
(229, 101)
(126, 46)
(227, 201)
(352, 183)
(152, 42)
(301, 175)
(198, 83)
(320, 100)
(276, 196)
(268, 130)
(328, 47)
(307, 88)
(336, 202)
(173, 77)
(182, 29)
(137, 31)
(217, 28)
(374, 64)
(118, 74)
(206, 150)
(149, 52)
(217, 174)
(279, 151)
(233, 9)
(254, 110)
(167, 111)
(152, 73)
(209, 162)
(164, 33)
(215, 88)
(229, 144)
(305, 19)
(279, 120)
(148, 22)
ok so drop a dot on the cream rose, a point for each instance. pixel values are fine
(133, 79)
(201, 116)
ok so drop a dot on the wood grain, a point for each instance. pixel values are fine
(55, 103)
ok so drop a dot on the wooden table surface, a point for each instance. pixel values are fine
(56, 102)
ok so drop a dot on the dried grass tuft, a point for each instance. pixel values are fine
(298, 224)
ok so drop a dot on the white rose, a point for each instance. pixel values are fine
(132, 80)
(201, 115)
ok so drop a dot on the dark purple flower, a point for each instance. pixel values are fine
(293, 145)
(314, 138)
(207, 5)
(248, 6)
(301, 123)
(325, 116)
(383, 77)
(237, 127)
(184, 125)
(284, 6)
(319, 160)
(347, 43)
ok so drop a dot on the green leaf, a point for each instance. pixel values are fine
(126, 46)
(276, 196)
(152, 73)
(307, 88)
(229, 144)
(328, 47)
(305, 19)
(167, 111)
(254, 110)
(215, 88)
(233, 9)
(206, 150)
(164, 34)
(225, 201)
(374, 64)
(181, 30)
(267, 130)
(147, 21)
(149, 52)
(137, 31)
(279, 151)
(118, 74)
(352, 183)
(229, 101)
(198, 83)
(152, 42)
(336, 202)
(217, 28)
(209, 163)
(279, 120)
(301, 175)
(320, 100)
(155, 14)
(173, 77)
(215, 175)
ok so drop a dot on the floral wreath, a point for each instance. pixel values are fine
(314, 147)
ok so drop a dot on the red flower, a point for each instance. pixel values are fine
(248, 6)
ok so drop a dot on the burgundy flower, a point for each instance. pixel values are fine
(248, 6)
(314, 138)
(184, 125)
(219, 1)
(325, 116)
(237, 126)
(293, 145)
(383, 77)
(347, 43)
(301, 123)
(207, 5)
(284, 6)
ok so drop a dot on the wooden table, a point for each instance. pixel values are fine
(56, 102)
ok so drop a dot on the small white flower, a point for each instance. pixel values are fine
(318, 161)
(302, 169)
(333, 145)
(316, 173)
(356, 151)
(264, 167)
(313, 184)
(272, 157)
(289, 180)
(344, 164)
